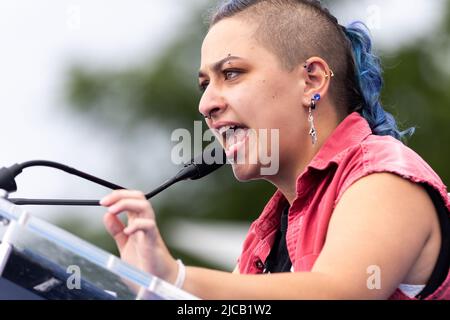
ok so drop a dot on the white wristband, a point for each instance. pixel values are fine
(181, 276)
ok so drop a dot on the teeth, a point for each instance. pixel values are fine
(232, 135)
(224, 129)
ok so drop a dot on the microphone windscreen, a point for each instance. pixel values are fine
(207, 163)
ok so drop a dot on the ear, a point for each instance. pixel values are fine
(317, 75)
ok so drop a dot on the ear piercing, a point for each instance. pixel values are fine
(314, 101)
(312, 131)
(331, 74)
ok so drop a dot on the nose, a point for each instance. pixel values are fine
(212, 103)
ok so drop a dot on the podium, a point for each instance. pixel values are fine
(39, 261)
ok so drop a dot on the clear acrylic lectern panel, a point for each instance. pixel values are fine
(41, 261)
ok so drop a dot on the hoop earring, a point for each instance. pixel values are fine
(312, 130)
(331, 75)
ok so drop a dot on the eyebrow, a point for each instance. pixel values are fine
(216, 67)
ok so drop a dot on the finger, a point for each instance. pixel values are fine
(115, 228)
(116, 195)
(138, 206)
(146, 225)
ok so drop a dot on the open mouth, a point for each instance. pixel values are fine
(233, 138)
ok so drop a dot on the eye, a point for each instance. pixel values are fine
(229, 74)
(202, 86)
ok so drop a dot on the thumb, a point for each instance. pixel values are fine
(115, 228)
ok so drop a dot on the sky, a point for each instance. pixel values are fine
(40, 39)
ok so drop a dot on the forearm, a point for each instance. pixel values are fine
(217, 285)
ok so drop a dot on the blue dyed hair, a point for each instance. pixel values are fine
(369, 79)
(358, 74)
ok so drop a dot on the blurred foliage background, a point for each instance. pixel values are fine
(163, 94)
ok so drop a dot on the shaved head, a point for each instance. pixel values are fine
(295, 30)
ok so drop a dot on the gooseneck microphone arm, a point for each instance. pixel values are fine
(195, 169)
(62, 167)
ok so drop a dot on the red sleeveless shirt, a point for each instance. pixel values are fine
(350, 153)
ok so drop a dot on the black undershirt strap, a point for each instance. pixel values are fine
(440, 270)
(278, 259)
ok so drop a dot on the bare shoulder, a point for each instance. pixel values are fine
(391, 196)
(382, 220)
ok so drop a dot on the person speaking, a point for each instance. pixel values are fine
(353, 202)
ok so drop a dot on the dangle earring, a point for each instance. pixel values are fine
(312, 107)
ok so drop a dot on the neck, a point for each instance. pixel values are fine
(286, 179)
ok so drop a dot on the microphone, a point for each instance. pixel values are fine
(195, 169)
